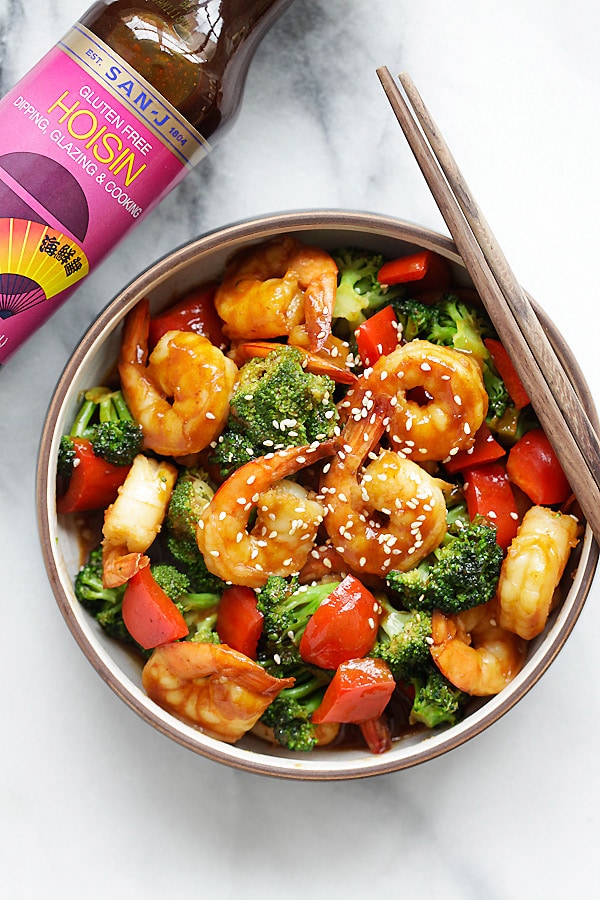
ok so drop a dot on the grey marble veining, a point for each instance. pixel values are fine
(95, 804)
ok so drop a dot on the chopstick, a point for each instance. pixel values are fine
(556, 402)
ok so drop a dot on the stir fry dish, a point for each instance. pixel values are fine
(325, 509)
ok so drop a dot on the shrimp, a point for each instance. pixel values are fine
(269, 290)
(179, 393)
(474, 652)
(389, 514)
(532, 569)
(443, 424)
(211, 686)
(287, 519)
(132, 522)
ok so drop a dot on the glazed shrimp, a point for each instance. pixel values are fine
(269, 290)
(211, 686)
(179, 393)
(532, 569)
(287, 519)
(386, 515)
(135, 518)
(474, 652)
(448, 421)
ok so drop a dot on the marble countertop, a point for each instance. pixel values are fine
(97, 804)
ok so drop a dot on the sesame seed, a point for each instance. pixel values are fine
(210, 415)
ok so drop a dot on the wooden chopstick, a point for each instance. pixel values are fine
(554, 398)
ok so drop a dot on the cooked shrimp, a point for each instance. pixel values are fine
(132, 522)
(287, 519)
(179, 393)
(474, 652)
(324, 563)
(211, 686)
(435, 428)
(271, 289)
(532, 569)
(386, 515)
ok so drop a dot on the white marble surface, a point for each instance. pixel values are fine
(96, 804)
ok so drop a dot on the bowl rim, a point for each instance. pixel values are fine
(308, 768)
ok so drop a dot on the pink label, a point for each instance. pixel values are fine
(87, 148)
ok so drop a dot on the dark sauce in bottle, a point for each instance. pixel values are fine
(196, 54)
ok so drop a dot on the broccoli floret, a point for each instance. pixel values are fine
(66, 457)
(359, 294)
(286, 608)
(192, 492)
(463, 572)
(416, 319)
(289, 715)
(403, 640)
(499, 398)
(436, 701)
(105, 420)
(462, 326)
(104, 604)
(173, 582)
(276, 404)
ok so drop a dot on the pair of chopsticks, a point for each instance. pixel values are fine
(554, 398)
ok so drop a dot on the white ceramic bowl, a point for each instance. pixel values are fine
(170, 278)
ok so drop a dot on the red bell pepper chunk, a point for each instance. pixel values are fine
(196, 312)
(428, 270)
(377, 336)
(485, 449)
(239, 622)
(488, 493)
(534, 467)
(93, 484)
(343, 627)
(507, 372)
(150, 616)
(358, 692)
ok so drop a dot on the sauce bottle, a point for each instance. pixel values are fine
(105, 125)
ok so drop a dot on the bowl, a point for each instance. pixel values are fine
(171, 277)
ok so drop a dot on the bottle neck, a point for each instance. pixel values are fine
(195, 53)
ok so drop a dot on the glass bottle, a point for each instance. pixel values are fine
(106, 124)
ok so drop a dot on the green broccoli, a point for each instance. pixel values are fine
(104, 604)
(192, 492)
(276, 404)
(289, 715)
(436, 701)
(463, 572)
(461, 325)
(286, 608)
(403, 640)
(416, 320)
(105, 420)
(359, 294)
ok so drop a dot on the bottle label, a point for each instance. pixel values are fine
(87, 148)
